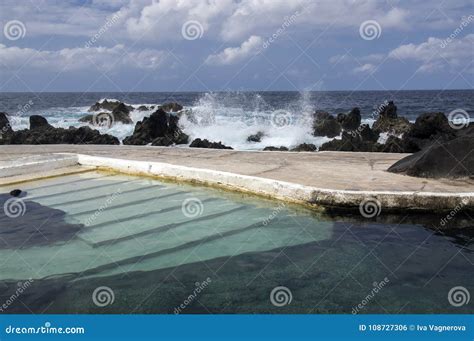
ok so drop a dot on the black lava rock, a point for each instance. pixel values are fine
(16, 193)
(452, 159)
(325, 124)
(161, 128)
(198, 143)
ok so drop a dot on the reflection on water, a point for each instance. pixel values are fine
(143, 246)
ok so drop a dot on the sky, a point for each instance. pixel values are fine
(238, 45)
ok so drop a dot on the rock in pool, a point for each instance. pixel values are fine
(16, 193)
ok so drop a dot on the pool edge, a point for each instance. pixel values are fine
(285, 191)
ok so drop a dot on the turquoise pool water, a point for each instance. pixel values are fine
(109, 243)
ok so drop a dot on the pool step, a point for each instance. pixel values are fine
(129, 218)
(94, 196)
(167, 227)
(256, 237)
(117, 229)
(137, 259)
(76, 256)
(107, 205)
(142, 224)
(98, 185)
(60, 181)
(131, 203)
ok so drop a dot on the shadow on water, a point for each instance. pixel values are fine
(329, 276)
(42, 225)
(459, 227)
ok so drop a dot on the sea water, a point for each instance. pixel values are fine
(230, 117)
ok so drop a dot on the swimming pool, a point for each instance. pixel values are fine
(110, 243)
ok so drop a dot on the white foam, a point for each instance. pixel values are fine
(216, 118)
(109, 100)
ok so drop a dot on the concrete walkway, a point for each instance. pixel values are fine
(327, 178)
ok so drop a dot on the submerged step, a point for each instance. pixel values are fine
(147, 223)
(255, 237)
(117, 230)
(77, 256)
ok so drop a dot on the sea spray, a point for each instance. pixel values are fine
(232, 117)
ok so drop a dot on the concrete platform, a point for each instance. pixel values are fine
(340, 179)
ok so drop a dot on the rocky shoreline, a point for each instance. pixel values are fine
(441, 149)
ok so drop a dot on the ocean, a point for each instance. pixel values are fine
(230, 117)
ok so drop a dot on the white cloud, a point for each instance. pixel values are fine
(156, 25)
(366, 68)
(263, 17)
(435, 53)
(55, 18)
(229, 20)
(232, 55)
(163, 20)
(80, 58)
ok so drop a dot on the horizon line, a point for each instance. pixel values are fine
(226, 91)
